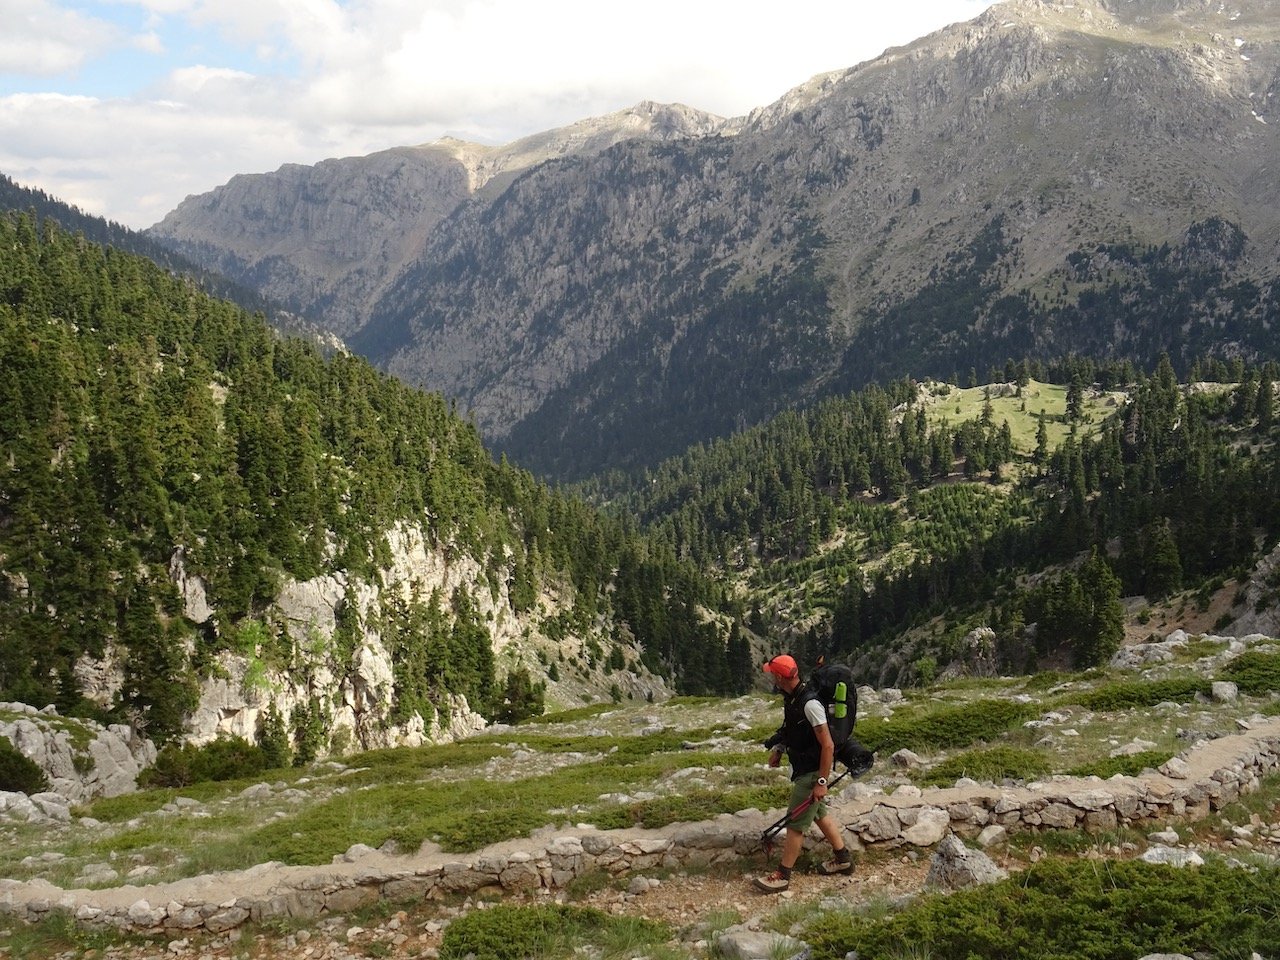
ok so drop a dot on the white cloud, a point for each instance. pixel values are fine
(44, 40)
(301, 80)
(149, 42)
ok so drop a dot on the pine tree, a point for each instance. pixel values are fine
(1102, 626)
(1162, 561)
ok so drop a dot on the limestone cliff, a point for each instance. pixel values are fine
(350, 680)
(353, 683)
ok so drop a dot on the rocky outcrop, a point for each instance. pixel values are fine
(1260, 599)
(1139, 656)
(356, 690)
(1213, 774)
(81, 759)
(352, 683)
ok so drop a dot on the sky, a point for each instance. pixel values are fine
(125, 107)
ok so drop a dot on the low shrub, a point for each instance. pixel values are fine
(18, 772)
(575, 713)
(688, 808)
(961, 726)
(1255, 672)
(509, 932)
(1129, 766)
(993, 763)
(227, 758)
(1139, 694)
(1046, 679)
(1082, 910)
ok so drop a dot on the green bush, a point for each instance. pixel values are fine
(227, 758)
(977, 722)
(508, 932)
(700, 805)
(1076, 910)
(18, 772)
(577, 713)
(1255, 673)
(1138, 694)
(1131, 766)
(994, 764)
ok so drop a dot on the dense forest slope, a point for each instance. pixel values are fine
(14, 196)
(889, 525)
(205, 528)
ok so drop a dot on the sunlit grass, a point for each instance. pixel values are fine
(1022, 413)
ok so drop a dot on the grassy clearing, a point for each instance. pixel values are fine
(1023, 413)
(699, 764)
(550, 931)
(59, 936)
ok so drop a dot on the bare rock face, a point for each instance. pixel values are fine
(326, 239)
(353, 683)
(193, 589)
(1260, 614)
(355, 690)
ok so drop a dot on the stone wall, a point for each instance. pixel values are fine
(1206, 778)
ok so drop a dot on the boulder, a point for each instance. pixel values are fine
(743, 943)
(80, 758)
(954, 866)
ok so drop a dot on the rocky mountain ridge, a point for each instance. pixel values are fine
(327, 238)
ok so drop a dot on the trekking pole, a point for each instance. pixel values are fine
(774, 829)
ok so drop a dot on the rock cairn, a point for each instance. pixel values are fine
(1205, 778)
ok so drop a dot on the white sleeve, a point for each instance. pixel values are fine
(815, 713)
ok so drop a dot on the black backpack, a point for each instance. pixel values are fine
(833, 684)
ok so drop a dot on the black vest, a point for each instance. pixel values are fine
(801, 742)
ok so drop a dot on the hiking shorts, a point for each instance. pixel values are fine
(801, 787)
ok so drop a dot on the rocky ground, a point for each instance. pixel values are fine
(694, 906)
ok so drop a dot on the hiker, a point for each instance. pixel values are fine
(809, 748)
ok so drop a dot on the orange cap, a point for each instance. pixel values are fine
(782, 666)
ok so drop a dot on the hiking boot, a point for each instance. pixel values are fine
(842, 862)
(775, 882)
